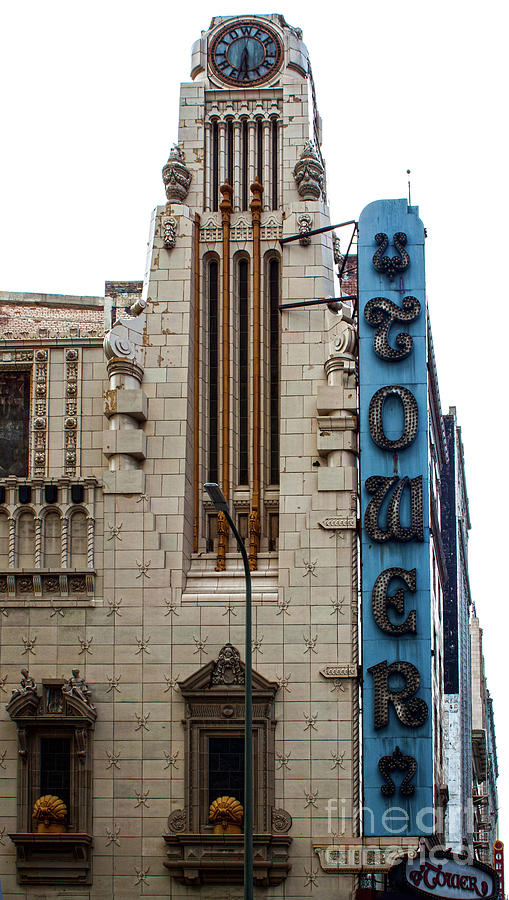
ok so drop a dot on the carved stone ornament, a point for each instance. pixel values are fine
(340, 522)
(76, 686)
(305, 225)
(281, 821)
(176, 176)
(228, 668)
(340, 670)
(177, 821)
(170, 232)
(341, 332)
(391, 265)
(309, 173)
(27, 686)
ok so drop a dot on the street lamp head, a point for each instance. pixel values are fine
(216, 495)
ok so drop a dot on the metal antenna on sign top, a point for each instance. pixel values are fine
(409, 198)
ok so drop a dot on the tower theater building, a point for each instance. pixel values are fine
(122, 591)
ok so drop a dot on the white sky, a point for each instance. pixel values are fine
(89, 109)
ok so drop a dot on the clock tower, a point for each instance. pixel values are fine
(250, 382)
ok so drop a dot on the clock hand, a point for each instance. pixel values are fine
(244, 64)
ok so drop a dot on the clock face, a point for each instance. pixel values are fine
(245, 54)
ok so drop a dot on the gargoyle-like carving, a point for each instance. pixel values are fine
(176, 176)
(228, 668)
(382, 312)
(397, 762)
(305, 225)
(76, 686)
(170, 232)
(391, 265)
(309, 173)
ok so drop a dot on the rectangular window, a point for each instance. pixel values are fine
(14, 423)
(226, 768)
(56, 769)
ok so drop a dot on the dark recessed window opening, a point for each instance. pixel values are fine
(213, 361)
(215, 166)
(274, 163)
(229, 151)
(274, 370)
(211, 533)
(273, 531)
(226, 768)
(56, 769)
(14, 423)
(245, 180)
(243, 373)
(259, 150)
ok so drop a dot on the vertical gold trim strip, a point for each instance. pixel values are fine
(196, 379)
(222, 527)
(254, 518)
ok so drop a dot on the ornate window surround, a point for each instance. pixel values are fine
(214, 698)
(54, 858)
(38, 582)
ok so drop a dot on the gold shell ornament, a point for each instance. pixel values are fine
(226, 813)
(50, 812)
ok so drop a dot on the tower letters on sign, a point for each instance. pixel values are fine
(396, 608)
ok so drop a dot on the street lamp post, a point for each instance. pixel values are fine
(220, 503)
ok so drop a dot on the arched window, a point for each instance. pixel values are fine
(51, 545)
(26, 541)
(274, 294)
(212, 286)
(4, 541)
(243, 362)
(78, 541)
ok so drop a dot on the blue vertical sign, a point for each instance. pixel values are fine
(396, 609)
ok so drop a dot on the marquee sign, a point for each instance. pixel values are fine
(448, 876)
(396, 607)
(498, 863)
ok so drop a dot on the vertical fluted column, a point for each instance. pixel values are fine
(208, 167)
(237, 165)
(222, 526)
(221, 127)
(12, 543)
(38, 537)
(90, 542)
(64, 543)
(196, 381)
(267, 181)
(254, 518)
(251, 152)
